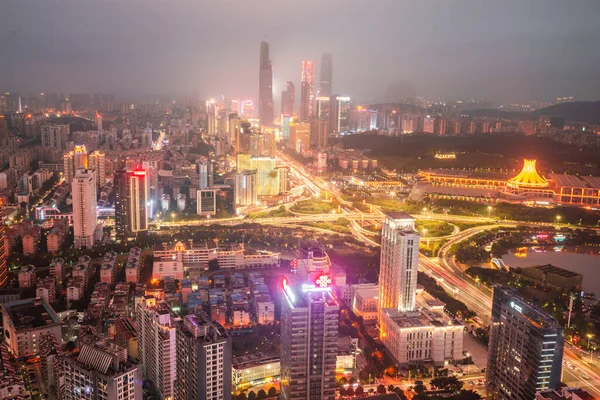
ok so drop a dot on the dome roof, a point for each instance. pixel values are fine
(528, 177)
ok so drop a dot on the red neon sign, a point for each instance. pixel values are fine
(323, 281)
(139, 173)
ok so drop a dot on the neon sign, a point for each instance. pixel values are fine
(323, 281)
(516, 307)
(287, 290)
(139, 173)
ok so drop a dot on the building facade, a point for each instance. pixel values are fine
(131, 217)
(309, 334)
(525, 350)
(83, 189)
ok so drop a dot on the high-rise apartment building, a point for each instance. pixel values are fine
(131, 216)
(265, 87)
(525, 349)
(206, 202)
(74, 160)
(326, 75)
(3, 250)
(245, 188)
(399, 262)
(306, 90)
(83, 191)
(318, 133)
(97, 163)
(288, 96)
(309, 331)
(157, 343)
(267, 179)
(203, 360)
(55, 136)
(205, 172)
(101, 371)
(339, 108)
(411, 334)
(299, 136)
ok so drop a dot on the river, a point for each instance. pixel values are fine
(583, 261)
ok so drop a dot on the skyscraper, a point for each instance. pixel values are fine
(245, 188)
(399, 262)
(309, 330)
(288, 96)
(326, 75)
(3, 267)
(74, 160)
(205, 171)
(203, 360)
(97, 163)
(265, 87)
(131, 216)
(525, 349)
(318, 133)
(157, 338)
(306, 94)
(339, 106)
(83, 190)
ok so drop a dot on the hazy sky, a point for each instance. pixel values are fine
(505, 50)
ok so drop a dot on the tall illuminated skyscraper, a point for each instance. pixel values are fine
(97, 163)
(83, 189)
(399, 262)
(309, 331)
(306, 95)
(265, 87)
(287, 99)
(131, 216)
(525, 350)
(326, 75)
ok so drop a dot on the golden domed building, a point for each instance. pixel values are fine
(528, 184)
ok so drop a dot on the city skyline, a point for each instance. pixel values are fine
(527, 60)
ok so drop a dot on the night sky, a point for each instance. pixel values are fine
(383, 50)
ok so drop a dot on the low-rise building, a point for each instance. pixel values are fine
(75, 288)
(46, 289)
(255, 369)
(24, 321)
(365, 303)
(27, 276)
(132, 267)
(57, 269)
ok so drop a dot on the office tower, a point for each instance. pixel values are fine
(55, 136)
(306, 90)
(206, 202)
(288, 97)
(234, 129)
(99, 122)
(157, 343)
(245, 188)
(97, 163)
(265, 88)
(83, 191)
(339, 107)
(205, 172)
(299, 136)
(101, 371)
(399, 262)
(203, 360)
(318, 133)
(130, 203)
(3, 266)
(285, 127)
(283, 174)
(525, 349)
(326, 75)
(309, 331)
(322, 108)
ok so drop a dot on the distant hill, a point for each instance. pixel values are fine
(579, 111)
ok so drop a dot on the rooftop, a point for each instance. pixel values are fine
(416, 319)
(253, 360)
(399, 215)
(528, 176)
(30, 314)
(551, 269)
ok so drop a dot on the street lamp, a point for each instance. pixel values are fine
(173, 216)
(589, 336)
(558, 217)
(489, 211)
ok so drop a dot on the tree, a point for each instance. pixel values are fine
(350, 392)
(467, 395)
(213, 265)
(419, 387)
(343, 391)
(391, 388)
(400, 393)
(343, 381)
(261, 394)
(242, 396)
(272, 392)
(359, 391)
(381, 389)
(251, 395)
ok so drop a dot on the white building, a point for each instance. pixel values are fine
(75, 289)
(57, 268)
(101, 371)
(206, 202)
(245, 188)
(132, 267)
(365, 302)
(24, 321)
(411, 333)
(46, 290)
(254, 369)
(84, 208)
(264, 308)
(181, 201)
(55, 136)
(157, 350)
(399, 262)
